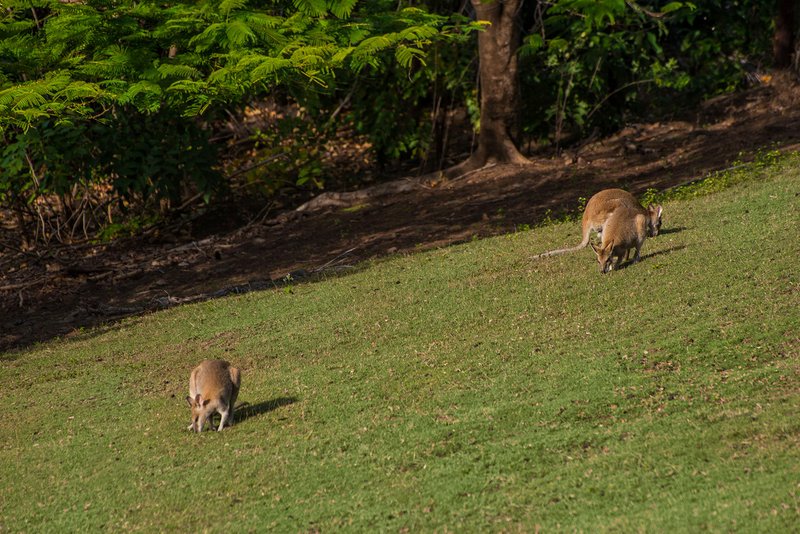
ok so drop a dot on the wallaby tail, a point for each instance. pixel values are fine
(564, 250)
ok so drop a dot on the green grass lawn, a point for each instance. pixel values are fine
(464, 389)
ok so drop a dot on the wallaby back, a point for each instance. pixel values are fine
(213, 387)
(626, 228)
(599, 209)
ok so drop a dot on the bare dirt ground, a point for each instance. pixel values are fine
(55, 294)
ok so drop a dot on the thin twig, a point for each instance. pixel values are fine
(257, 165)
(612, 93)
(328, 264)
(24, 285)
(341, 106)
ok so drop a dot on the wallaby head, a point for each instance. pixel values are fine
(653, 219)
(200, 412)
(604, 256)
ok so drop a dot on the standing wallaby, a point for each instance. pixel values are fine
(599, 209)
(625, 229)
(213, 387)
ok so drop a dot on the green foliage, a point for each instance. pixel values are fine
(599, 63)
(584, 57)
(187, 56)
(584, 65)
(291, 146)
(112, 73)
(395, 70)
(130, 227)
(128, 160)
(397, 117)
(716, 60)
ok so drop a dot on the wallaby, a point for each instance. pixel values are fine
(213, 387)
(625, 229)
(599, 209)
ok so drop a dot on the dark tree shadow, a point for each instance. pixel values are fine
(246, 410)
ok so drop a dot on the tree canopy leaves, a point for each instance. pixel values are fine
(66, 58)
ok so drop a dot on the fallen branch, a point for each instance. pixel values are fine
(473, 171)
(351, 198)
(24, 285)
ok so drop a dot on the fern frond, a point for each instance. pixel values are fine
(406, 55)
(337, 59)
(265, 27)
(269, 66)
(239, 33)
(79, 90)
(314, 8)
(226, 6)
(176, 70)
(373, 45)
(74, 30)
(418, 33)
(32, 115)
(342, 8)
(18, 46)
(208, 38)
(28, 100)
(116, 63)
(16, 27)
(189, 87)
(143, 94)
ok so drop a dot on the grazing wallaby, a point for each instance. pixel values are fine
(625, 229)
(213, 387)
(599, 209)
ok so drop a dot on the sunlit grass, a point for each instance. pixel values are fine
(466, 388)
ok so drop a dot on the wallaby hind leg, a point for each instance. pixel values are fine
(223, 419)
(620, 258)
(636, 256)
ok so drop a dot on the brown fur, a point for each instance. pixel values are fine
(598, 210)
(625, 229)
(213, 387)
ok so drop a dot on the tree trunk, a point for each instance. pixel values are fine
(499, 89)
(783, 42)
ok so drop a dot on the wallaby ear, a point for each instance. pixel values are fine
(198, 399)
(594, 247)
(658, 211)
(205, 402)
(189, 401)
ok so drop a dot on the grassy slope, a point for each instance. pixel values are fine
(462, 389)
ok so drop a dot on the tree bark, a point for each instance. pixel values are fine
(498, 85)
(783, 42)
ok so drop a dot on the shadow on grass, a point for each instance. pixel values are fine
(651, 255)
(246, 410)
(674, 230)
